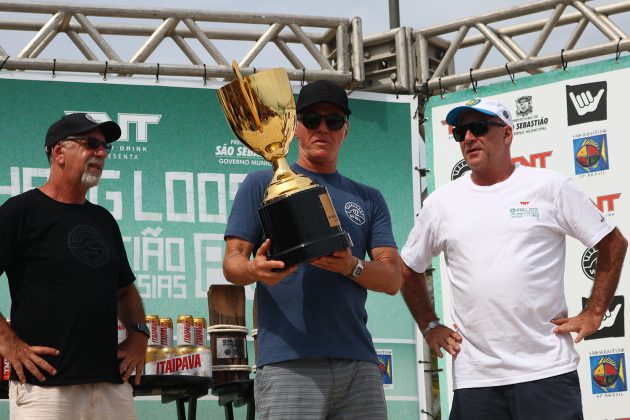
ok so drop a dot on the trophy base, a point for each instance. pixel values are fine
(302, 227)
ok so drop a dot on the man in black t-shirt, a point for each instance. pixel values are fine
(69, 280)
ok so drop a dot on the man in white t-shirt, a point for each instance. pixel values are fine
(502, 229)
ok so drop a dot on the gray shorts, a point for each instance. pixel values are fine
(313, 389)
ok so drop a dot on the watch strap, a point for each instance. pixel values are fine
(433, 324)
(143, 328)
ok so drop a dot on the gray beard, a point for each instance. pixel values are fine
(88, 180)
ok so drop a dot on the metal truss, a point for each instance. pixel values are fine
(336, 50)
(518, 58)
(402, 60)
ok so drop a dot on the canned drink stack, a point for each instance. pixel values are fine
(6, 367)
(166, 332)
(122, 332)
(200, 332)
(153, 322)
(185, 331)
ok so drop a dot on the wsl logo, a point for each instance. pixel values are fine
(589, 263)
(355, 213)
(460, 169)
(591, 154)
(608, 374)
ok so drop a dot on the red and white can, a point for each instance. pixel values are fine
(200, 331)
(185, 330)
(122, 332)
(4, 364)
(166, 332)
(153, 322)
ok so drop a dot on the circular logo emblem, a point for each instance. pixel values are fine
(355, 213)
(88, 246)
(460, 168)
(588, 154)
(506, 114)
(473, 102)
(589, 263)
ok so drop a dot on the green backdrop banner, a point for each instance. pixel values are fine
(171, 178)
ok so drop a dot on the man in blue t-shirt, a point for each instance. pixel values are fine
(316, 358)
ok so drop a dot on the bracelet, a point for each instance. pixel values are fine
(433, 324)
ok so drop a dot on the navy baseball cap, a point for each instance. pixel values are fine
(323, 91)
(77, 123)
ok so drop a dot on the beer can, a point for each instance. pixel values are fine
(6, 370)
(185, 331)
(156, 360)
(166, 332)
(153, 322)
(6, 366)
(189, 360)
(200, 331)
(206, 361)
(122, 332)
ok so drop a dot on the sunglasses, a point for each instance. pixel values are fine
(334, 122)
(476, 128)
(91, 143)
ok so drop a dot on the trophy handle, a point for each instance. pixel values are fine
(247, 94)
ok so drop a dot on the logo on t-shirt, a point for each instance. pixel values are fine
(524, 211)
(591, 154)
(589, 263)
(608, 372)
(460, 169)
(586, 102)
(88, 246)
(613, 322)
(355, 212)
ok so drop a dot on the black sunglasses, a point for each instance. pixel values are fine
(476, 128)
(334, 122)
(91, 143)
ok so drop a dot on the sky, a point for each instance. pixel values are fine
(418, 14)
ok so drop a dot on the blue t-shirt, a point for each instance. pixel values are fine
(315, 313)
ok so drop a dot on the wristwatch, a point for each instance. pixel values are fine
(433, 324)
(142, 327)
(357, 270)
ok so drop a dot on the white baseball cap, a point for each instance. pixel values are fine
(483, 105)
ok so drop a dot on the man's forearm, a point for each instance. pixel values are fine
(235, 269)
(130, 309)
(611, 252)
(415, 293)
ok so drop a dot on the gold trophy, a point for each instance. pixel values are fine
(296, 213)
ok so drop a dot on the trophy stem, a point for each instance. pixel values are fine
(285, 182)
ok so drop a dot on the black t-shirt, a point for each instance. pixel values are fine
(65, 263)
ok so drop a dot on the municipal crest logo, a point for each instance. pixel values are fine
(591, 154)
(608, 373)
(460, 169)
(524, 106)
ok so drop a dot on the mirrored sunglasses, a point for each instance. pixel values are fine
(476, 128)
(334, 122)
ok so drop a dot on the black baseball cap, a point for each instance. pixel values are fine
(323, 91)
(77, 123)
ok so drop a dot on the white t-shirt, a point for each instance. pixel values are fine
(504, 247)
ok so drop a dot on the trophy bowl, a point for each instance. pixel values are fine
(296, 214)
